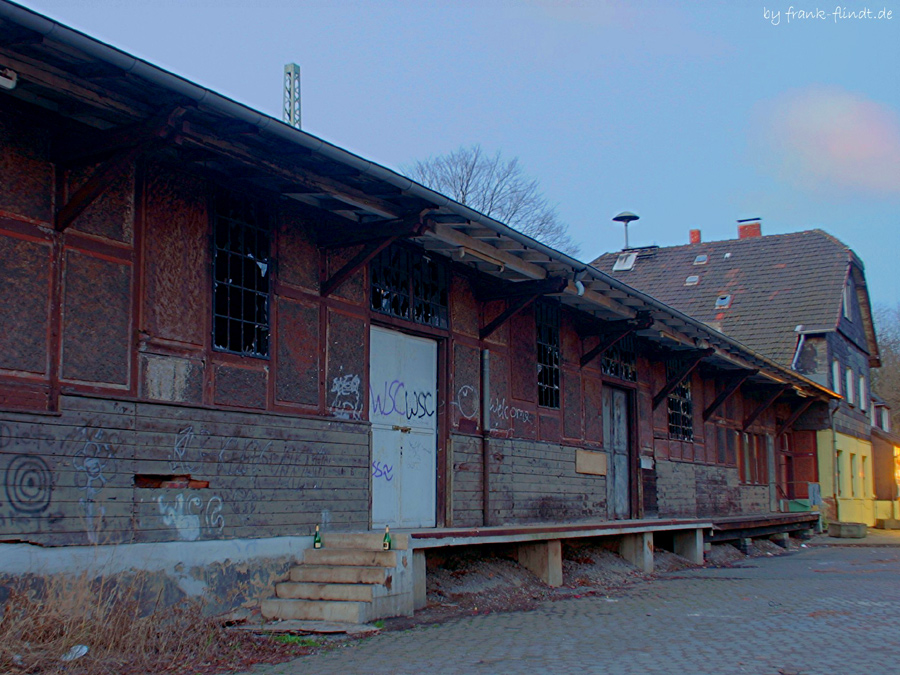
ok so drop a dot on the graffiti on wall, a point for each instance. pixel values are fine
(500, 410)
(93, 463)
(190, 516)
(28, 483)
(466, 401)
(347, 402)
(393, 397)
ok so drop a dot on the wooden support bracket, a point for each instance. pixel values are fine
(729, 391)
(610, 340)
(368, 252)
(157, 136)
(765, 405)
(802, 408)
(536, 289)
(680, 376)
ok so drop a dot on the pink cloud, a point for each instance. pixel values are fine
(825, 138)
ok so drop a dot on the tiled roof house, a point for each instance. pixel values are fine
(799, 298)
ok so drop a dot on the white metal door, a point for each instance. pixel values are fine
(402, 409)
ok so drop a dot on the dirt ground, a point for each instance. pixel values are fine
(487, 579)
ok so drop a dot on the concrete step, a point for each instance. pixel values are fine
(369, 541)
(315, 610)
(339, 574)
(310, 591)
(349, 556)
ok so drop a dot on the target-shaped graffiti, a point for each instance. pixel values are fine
(28, 484)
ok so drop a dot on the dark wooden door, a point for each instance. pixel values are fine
(617, 443)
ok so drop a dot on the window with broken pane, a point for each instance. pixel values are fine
(409, 284)
(620, 360)
(547, 321)
(681, 413)
(241, 275)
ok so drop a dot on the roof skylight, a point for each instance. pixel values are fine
(692, 280)
(625, 261)
(701, 259)
(724, 301)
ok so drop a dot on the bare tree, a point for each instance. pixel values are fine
(886, 380)
(498, 188)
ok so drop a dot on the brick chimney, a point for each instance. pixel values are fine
(695, 236)
(749, 228)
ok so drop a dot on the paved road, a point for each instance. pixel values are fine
(822, 610)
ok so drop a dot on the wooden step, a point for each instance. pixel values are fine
(311, 591)
(315, 610)
(339, 574)
(369, 541)
(349, 556)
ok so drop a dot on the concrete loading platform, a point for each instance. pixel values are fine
(352, 579)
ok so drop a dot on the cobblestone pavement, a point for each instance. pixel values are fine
(821, 610)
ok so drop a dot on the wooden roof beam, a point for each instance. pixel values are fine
(410, 226)
(292, 174)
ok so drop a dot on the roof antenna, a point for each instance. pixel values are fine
(291, 113)
(626, 217)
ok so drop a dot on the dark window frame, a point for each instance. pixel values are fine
(680, 406)
(409, 283)
(620, 360)
(242, 267)
(547, 316)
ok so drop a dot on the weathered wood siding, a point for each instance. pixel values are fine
(533, 481)
(71, 479)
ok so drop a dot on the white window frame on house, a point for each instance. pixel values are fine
(836, 376)
(863, 393)
(845, 301)
(851, 389)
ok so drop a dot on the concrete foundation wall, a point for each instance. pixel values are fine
(223, 574)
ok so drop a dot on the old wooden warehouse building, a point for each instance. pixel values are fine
(218, 329)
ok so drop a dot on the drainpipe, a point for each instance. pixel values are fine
(485, 434)
(834, 459)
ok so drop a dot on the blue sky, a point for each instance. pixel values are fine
(691, 114)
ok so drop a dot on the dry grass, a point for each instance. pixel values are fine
(44, 619)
